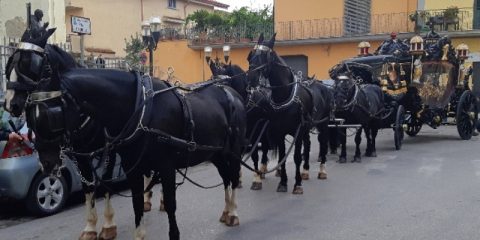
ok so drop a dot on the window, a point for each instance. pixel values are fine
(356, 17)
(172, 4)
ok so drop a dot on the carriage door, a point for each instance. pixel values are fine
(297, 63)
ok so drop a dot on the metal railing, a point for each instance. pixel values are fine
(228, 34)
(403, 22)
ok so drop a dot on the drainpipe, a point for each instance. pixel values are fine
(141, 10)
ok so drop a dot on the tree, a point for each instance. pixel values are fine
(135, 50)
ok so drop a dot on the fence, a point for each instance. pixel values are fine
(228, 34)
(442, 20)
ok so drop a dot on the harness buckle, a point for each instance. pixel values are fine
(192, 146)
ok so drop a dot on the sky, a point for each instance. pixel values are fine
(255, 4)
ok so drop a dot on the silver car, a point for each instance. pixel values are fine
(22, 179)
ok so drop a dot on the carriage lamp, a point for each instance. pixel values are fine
(363, 48)
(226, 53)
(462, 51)
(150, 36)
(208, 53)
(416, 46)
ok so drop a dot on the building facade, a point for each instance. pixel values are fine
(314, 35)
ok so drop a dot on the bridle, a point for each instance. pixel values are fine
(264, 81)
(353, 101)
(41, 68)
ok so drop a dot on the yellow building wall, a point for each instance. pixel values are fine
(190, 65)
(114, 20)
(443, 4)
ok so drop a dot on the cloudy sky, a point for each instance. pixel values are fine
(255, 4)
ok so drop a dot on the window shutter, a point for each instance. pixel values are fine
(356, 17)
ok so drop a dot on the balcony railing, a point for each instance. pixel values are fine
(379, 24)
(228, 34)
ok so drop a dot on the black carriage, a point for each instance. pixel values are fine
(424, 82)
(439, 87)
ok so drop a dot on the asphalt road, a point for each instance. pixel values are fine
(428, 190)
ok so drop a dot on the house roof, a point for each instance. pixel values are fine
(213, 3)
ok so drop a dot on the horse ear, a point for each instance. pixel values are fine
(260, 39)
(271, 43)
(50, 32)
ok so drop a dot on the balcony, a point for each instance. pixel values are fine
(443, 20)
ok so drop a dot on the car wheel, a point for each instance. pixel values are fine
(47, 195)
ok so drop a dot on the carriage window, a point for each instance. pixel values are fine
(172, 4)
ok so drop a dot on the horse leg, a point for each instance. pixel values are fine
(282, 186)
(358, 140)
(322, 157)
(257, 182)
(90, 231)
(136, 184)
(306, 155)
(147, 197)
(368, 135)
(297, 157)
(332, 134)
(229, 214)
(374, 136)
(343, 139)
(169, 195)
(109, 229)
(263, 167)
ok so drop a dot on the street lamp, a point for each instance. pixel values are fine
(151, 35)
(208, 54)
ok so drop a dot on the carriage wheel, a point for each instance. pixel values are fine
(414, 125)
(398, 128)
(467, 115)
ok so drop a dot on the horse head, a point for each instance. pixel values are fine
(260, 60)
(33, 74)
(344, 90)
(25, 69)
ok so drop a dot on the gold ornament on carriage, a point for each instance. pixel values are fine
(363, 48)
(416, 46)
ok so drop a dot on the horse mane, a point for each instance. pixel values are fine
(65, 60)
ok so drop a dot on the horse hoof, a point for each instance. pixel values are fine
(256, 186)
(232, 221)
(90, 235)
(282, 188)
(239, 185)
(162, 206)
(322, 176)
(305, 176)
(277, 173)
(342, 160)
(357, 159)
(371, 154)
(298, 190)
(147, 206)
(108, 233)
(224, 217)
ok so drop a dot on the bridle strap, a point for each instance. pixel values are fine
(30, 47)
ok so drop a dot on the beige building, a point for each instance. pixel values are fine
(113, 21)
(13, 15)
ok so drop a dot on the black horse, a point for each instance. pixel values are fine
(256, 115)
(358, 104)
(186, 128)
(292, 108)
(86, 138)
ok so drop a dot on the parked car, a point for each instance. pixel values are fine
(21, 178)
